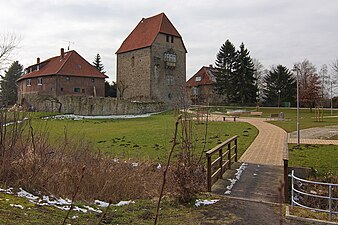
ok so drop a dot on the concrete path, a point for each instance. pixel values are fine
(269, 146)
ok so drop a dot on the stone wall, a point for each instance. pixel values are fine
(81, 105)
(133, 74)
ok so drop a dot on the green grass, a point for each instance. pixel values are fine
(322, 158)
(146, 138)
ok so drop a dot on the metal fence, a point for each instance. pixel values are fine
(300, 193)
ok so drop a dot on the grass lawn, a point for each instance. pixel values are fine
(145, 138)
(323, 158)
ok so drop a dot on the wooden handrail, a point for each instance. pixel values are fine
(217, 167)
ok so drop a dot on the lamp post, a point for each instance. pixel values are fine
(296, 69)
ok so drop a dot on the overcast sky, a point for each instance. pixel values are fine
(275, 32)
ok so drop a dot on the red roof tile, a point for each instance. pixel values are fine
(145, 32)
(206, 74)
(72, 65)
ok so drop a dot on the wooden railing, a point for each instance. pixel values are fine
(217, 167)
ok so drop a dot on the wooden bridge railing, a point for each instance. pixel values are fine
(217, 167)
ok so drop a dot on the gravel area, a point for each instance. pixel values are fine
(324, 133)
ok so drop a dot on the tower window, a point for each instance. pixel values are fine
(172, 39)
(168, 37)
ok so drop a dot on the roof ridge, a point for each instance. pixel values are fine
(62, 65)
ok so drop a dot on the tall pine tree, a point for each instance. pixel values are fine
(243, 82)
(280, 86)
(9, 90)
(98, 64)
(225, 62)
(110, 89)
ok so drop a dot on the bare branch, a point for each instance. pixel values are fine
(8, 42)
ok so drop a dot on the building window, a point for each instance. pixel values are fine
(172, 39)
(28, 82)
(61, 89)
(198, 78)
(83, 90)
(93, 80)
(168, 37)
(195, 91)
(77, 90)
(67, 78)
(170, 96)
(170, 80)
(39, 81)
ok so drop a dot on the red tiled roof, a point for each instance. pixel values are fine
(146, 31)
(207, 75)
(71, 65)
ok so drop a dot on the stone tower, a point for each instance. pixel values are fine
(151, 62)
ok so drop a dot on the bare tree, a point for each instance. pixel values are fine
(259, 75)
(121, 86)
(309, 83)
(334, 67)
(8, 42)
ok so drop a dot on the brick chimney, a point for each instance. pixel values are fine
(62, 54)
(37, 60)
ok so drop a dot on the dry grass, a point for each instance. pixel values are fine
(31, 161)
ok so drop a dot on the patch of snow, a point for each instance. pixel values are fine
(101, 203)
(134, 164)
(122, 203)
(7, 191)
(25, 194)
(255, 174)
(78, 209)
(79, 117)
(17, 206)
(62, 207)
(92, 209)
(200, 202)
(75, 217)
(159, 167)
(11, 123)
(237, 177)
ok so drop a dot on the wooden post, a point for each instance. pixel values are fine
(209, 173)
(236, 150)
(220, 163)
(229, 156)
(286, 180)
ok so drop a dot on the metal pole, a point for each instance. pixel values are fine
(331, 100)
(330, 201)
(292, 187)
(298, 114)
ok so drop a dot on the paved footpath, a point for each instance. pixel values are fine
(268, 147)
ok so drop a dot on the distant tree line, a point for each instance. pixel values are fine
(243, 80)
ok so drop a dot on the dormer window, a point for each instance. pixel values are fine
(198, 78)
(39, 81)
(28, 82)
(38, 67)
(67, 78)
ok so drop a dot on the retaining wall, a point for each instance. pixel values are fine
(82, 105)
